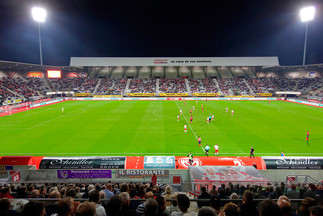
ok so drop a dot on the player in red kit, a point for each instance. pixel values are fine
(199, 140)
(191, 119)
(307, 136)
(190, 111)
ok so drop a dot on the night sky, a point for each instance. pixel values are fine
(160, 28)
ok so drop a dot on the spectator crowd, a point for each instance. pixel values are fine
(136, 199)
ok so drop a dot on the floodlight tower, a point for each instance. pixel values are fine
(39, 15)
(306, 14)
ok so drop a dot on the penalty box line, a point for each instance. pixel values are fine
(190, 126)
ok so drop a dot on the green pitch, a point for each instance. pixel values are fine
(151, 128)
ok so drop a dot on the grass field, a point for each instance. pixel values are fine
(151, 128)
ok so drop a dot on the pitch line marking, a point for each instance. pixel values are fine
(67, 115)
(190, 126)
(161, 116)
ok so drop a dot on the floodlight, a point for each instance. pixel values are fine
(307, 13)
(39, 14)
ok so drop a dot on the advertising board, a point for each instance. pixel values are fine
(106, 162)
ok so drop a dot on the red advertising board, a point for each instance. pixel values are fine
(183, 163)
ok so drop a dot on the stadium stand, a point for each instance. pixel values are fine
(142, 86)
(234, 86)
(109, 86)
(172, 86)
(206, 85)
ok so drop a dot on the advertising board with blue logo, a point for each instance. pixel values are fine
(159, 162)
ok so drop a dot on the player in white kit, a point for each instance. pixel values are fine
(232, 111)
(216, 148)
(185, 128)
(178, 118)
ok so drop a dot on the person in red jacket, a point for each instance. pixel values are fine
(5, 193)
(154, 179)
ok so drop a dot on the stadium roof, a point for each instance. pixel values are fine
(178, 61)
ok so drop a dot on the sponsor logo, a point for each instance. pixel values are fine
(71, 162)
(298, 162)
(160, 61)
(185, 162)
(15, 176)
(236, 161)
(64, 174)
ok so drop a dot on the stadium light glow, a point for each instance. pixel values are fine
(39, 14)
(307, 13)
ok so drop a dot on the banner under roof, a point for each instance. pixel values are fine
(180, 61)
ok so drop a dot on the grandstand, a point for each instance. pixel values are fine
(29, 82)
(117, 153)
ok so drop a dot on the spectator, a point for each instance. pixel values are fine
(35, 194)
(230, 209)
(125, 209)
(269, 208)
(285, 207)
(5, 193)
(311, 191)
(108, 191)
(304, 209)
(33, 209)
(65, 207)
(207, 211)
(154, 179)
(248, 207)
(86, 194)
(141, 208)
(293, 194)
(316, 210)
(161, 206)
(135, 199)
(168, 195)
(183, 204)
(86, 209)
(5, 208)
(203, 195)
(94, 196)
(215, 202)
(151, 207)
(114, 206)
(52, 208)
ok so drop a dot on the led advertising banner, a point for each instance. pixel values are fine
(161, 162)
(54, 73)
(293, 162)
(35, 74)
(106, 162)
